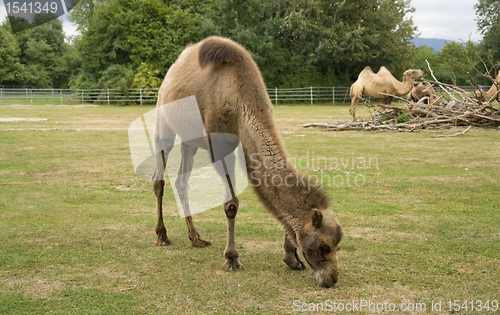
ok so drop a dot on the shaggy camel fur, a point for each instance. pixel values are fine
(380, 84)
(492, 93)
(421, 90)
(232, 99)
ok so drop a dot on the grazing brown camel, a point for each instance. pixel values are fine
(233, 99)
(379, 85)
(421, 90)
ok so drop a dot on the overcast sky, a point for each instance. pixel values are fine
(444, 19)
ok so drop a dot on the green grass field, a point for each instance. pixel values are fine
(421, 218)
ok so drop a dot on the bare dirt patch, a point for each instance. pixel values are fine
(259, 246)
(18, 119)
(370, 233)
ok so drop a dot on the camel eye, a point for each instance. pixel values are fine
(324, 249)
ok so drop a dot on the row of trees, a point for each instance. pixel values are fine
(457, 63)
(38, 57)
(132, 43)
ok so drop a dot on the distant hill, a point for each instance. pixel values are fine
(436, 43)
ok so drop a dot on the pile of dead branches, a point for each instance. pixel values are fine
(455, 107)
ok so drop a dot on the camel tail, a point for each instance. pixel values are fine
(219, 51)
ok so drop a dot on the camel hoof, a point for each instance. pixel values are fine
(238, 267)
(163, 241)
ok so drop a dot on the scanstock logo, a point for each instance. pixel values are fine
(180, 129)
(26, 14)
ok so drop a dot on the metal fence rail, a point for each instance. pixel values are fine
(114, 96)
(311, 95)
(34, 96)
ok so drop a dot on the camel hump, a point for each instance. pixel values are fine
(383, 69)
(367, 69)
(219, 51)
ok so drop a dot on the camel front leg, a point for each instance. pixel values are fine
(352, 109)
(292, 259)
(231, 253)
(226, 170)
(387, 100)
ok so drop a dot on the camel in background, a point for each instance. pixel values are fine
(233, 99)
(421, 90)
(381, 85)
(492, 93)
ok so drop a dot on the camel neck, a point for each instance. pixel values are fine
(280, 187)
(405, 86)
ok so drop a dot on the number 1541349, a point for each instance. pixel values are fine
(30, 7)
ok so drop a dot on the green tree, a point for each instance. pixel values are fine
(348, 35)
(47, 57)
(255, 24)
(422, 54)
(116, 77)
(455, 63)
(146, 77)
(131, 32)
(319, 42)
(452, 59)
(488, 22)
(11, 69)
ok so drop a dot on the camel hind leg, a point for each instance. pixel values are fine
(161, 231)
(164, 139)
(182, 184)
(158, 188)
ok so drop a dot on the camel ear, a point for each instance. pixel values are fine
(415, 83)
(317, 218)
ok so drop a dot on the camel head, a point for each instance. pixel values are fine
(319, 242)
(412, 75)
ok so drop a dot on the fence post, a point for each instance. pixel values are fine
(140, 95)
(107, 92)
(333, 95)
(312, 95)
(31, 94)
(60, 92)
(27, 99)
(82, 97)
(1, 95)
(276, 95)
